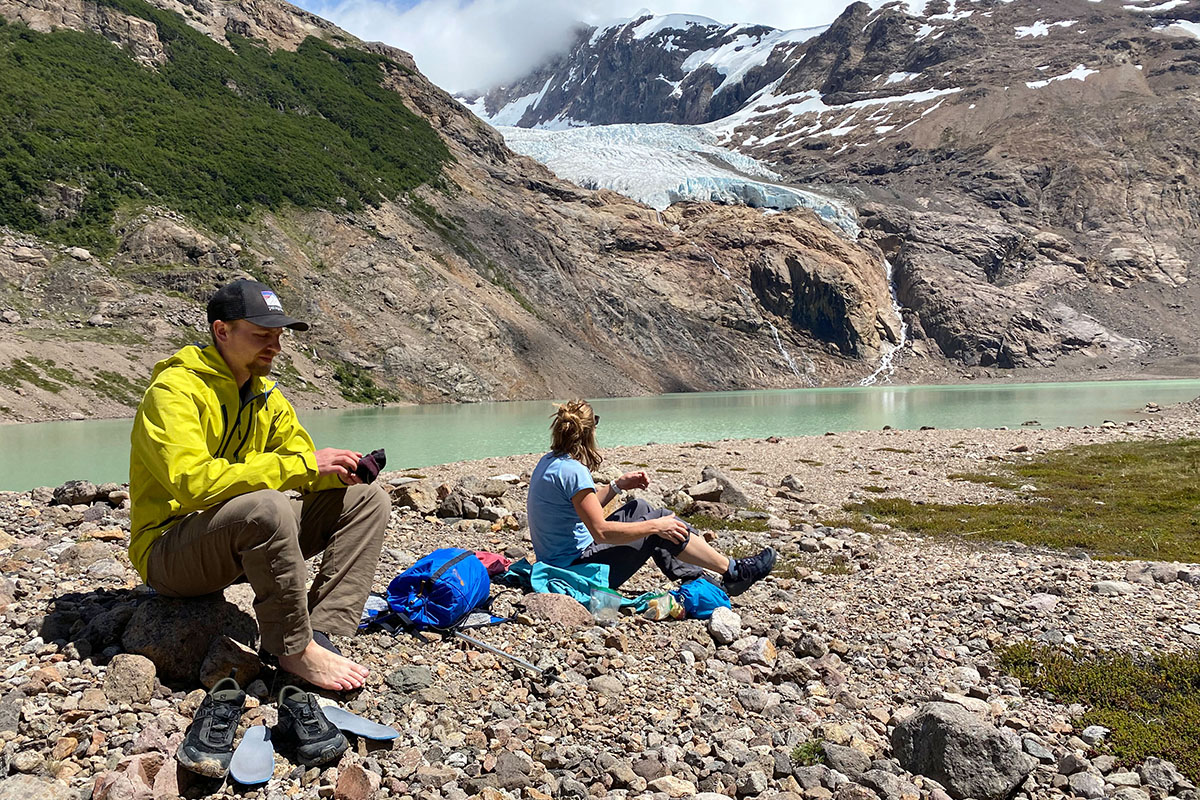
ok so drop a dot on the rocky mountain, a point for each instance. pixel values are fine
(152, 151)
(1029, 167)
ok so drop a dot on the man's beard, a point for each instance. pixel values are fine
(260, 370)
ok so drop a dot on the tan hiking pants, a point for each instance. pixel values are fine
(267, 537)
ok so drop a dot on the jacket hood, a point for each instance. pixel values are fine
(206, 361)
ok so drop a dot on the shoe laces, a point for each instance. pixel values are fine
(307, 714)
(223, 716)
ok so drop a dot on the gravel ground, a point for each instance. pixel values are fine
(861, 632)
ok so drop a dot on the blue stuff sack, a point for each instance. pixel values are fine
(440, 590)
(700, 598)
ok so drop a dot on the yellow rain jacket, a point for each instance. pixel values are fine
(197, 441)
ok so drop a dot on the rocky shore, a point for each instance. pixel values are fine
(865, 668)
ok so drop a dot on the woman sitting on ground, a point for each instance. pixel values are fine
(568, 526)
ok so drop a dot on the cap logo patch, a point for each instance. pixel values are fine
(273, 303)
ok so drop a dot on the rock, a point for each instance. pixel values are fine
(27, 787)
(10, 710)
(410, 679)
(84, 554)
(1094, 734)
(889, 786)
(846, 760)
(854, 791)
(731, 491)
(129, 679)
(1156, 772)
(751, 783)
(559, 609)
(356, 783)
(1085, 784)
(810, 646)
(1072, 763)
(709, 490)
(228, 658)
(491, 488)
(966, 755)
(28, 761)
(1130, 793)
(674, 787)
(724, 626)
(417, 496)
(608, 686)
(175, 633)
(98, 321)
(1112, 588)
(11, 317)
(79, 253)
(759, 652)
(74, 493)
(792, 482)
(1042, 602)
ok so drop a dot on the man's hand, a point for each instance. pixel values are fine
(342, 463)
(633, 480)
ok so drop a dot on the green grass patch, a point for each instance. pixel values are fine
(99, 334)
(893, 450)
(672, 471)
(39, 372)
(811, 462)
(808, 754)
(357, 386)
(1115, 500)
(707, 522)
(875, 489)
(116, 387)
(215, 133)
(1151, 705)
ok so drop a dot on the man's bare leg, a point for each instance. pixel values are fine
(325, 669)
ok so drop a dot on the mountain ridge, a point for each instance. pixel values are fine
(1023, 165)
(492, 280)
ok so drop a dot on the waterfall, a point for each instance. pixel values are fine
(887, 363)
(746, 296)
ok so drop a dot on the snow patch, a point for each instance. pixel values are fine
(1042, 27)
(1167, 6)
(901, 77)
(671, 22)
(1183, 27)
(1078, 74)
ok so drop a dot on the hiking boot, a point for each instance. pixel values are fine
(208, 746)
(745, 572)
(303, 724)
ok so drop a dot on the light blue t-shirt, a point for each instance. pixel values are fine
(558, 535)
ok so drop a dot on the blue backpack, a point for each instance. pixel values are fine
(440, 589)
(700, 598)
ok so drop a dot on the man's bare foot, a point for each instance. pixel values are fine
(327, 670)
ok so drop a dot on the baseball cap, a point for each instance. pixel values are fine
(252, 301)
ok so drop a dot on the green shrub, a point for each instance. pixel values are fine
(1151, 705)
(214, 132)
(808, 754)
(357, 386)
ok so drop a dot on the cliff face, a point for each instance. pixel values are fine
(493, 280)
(1029, 167)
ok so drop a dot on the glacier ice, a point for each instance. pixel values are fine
(660, 164)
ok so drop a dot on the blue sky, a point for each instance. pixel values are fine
(476, 44)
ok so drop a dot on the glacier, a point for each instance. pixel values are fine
(660, 164)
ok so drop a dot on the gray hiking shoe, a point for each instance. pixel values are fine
(747, 571)
(208, 746)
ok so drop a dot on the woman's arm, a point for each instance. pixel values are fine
(630, 480)
(591, 512)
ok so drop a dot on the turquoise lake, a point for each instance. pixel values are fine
(49, 453)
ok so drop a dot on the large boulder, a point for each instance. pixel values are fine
(175, 633)
(417, 496)
(731, 491)
(559, 609)
(967, 755)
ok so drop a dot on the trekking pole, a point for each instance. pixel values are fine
(546, 675)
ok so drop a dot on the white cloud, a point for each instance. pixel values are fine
(475, 44)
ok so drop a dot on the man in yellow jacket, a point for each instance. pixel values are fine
(214, 447)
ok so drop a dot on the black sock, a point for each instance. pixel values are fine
(323, 640)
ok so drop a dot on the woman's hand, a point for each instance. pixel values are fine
(670, 528)
(633, 480)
